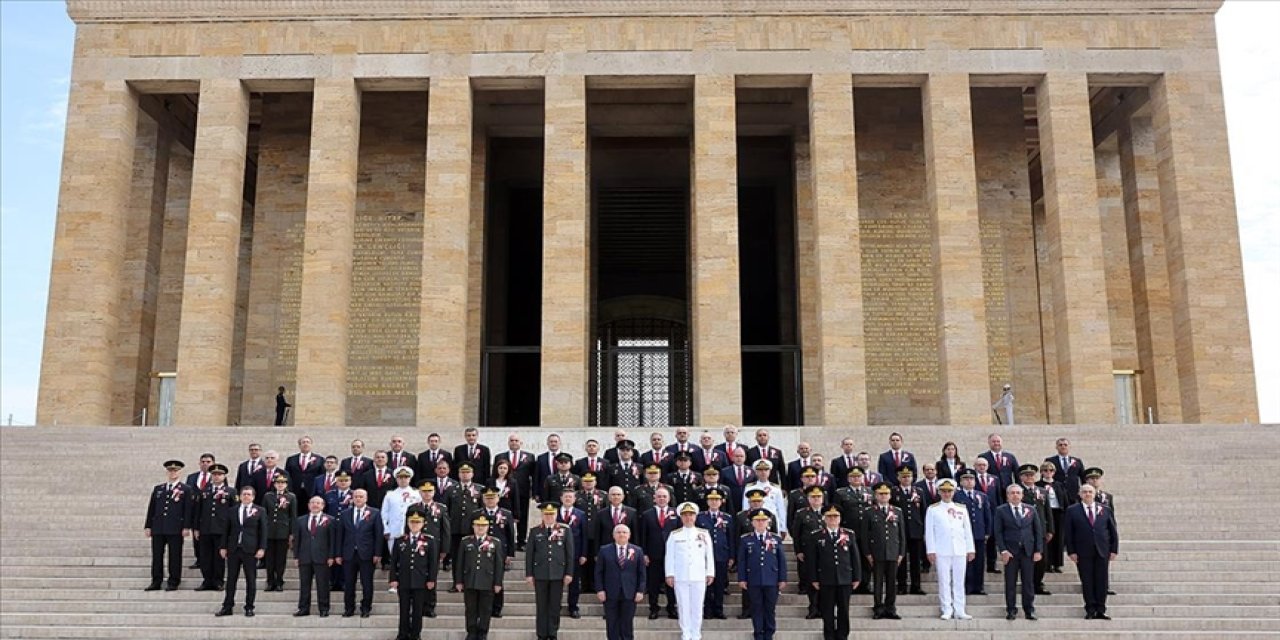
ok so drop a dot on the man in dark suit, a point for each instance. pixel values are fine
(762, 451)
(681, 445)
(611, 515)
(215, 505)
(591, 463)
(360, 545)
(357, 463)
(1019, 535)
(376, 480)
(426, 461)
(523, 467)
(303, 467)
(736, 476)
(169, 516)
(896, 458)
(835, 570)
(398, 456)
(546, 467)
(1001, 463)
(657, 455)
(705, 455)
(1069, 470)
(326, 481)
(415, 562)
(200, 479)
(797, 466)
(656, 524)
(1092, 542)
(244, 473)
(264, 479)
(611, 454)
(620, 582)
(730, 444)
(315, 546)
(243, 544)
(476, 454)
(841, 464)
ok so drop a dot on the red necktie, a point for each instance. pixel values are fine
(592, 464)
(379, 477)
(622, 558)
(1091, 515)
(515, 460)
(616, 515)
(328, 483)
(203, 481)
(897, 459)
(662, 518)
(999, 460)
(313, 525)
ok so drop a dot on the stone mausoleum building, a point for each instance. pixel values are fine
(645, 212)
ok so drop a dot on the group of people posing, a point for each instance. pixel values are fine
(673, 524)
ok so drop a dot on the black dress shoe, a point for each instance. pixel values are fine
(917, 592)
(745, 615)
(205, 587)
(902, 591)
(170, 587)
(1010, 616)
(324, 613)
(1043, 592)
(348, 614)
(1088, 615)
(431, 613)
(979, 593)
(300, 613)
(1101, 616)
(893, 616)
(248, 613)
(575, 614)
(1031, 616)
(1110, 592)
(673, 615)
(812, 615)
(496, 614)
(225, 611)
(653, 615)
(194, 565)
(876, 615)
(364, 614)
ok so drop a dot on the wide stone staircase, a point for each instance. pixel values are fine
(1200, 550)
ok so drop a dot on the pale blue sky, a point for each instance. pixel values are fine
(35, 64)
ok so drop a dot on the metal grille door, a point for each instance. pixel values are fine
(642, 374)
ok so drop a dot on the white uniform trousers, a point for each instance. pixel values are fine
(950, 570)
(689, 598)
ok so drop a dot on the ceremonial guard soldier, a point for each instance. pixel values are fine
(281, 510)
(620, 583)
(711, 483)
(216, 501)
(1092, 542)
(562, 479)
(549, 562)
(911, 503)
(502, 525)
(465, 502)
(242, 547)
(315, 547)
(479, 574)
(170, 514)
(415, 560)
(590, 500)
(834, 572)
(950, 544)
(981, 512)
(762, 574)
(724, 538)
(1037, 498)
(690, 569)
(436, 525)
(807, 523)
(885, 530)
(641, 498)
(684, 482)
(853, 500)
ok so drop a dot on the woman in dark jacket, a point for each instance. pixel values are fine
(950, 465)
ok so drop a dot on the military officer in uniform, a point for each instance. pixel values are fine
(1037, 498)
(711, 483)
(742, 526)
(1093, 477)
(911, 501)
(415, 561)
(981, 511)
(216, 501)
(835, 570)
(169, 517)
(502, 525)
(627, 472)
(690, 569)
(724, 539)
(641, 498)
(436, 525)
(465, 501)
(562, 479)
(762, 574)
(775, 498)
(948, 539)
(549, 562)
(281, 510)
(395, 504)
(478, 575)
(885, 530)
(683, 481)
(590, 500)
(808, 521)
(853, 500)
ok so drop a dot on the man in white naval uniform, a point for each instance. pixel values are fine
(948, 540)
(691, 568)
(394, 506)
(775, 499)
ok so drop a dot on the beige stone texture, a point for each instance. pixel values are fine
(328, 242)
(1153, 315)
(475, 279)
(442, 349)
(213, 243)
(240, 325)
(566, 255)
(807, 280)
(83, 317)
(173, 258)
(1082, 333)
(1115, 256)
(951, 180)
(838, 350)
(275, 280)
(713, 239)
(1206, 280)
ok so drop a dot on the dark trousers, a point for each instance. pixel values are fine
(764, 603)
(279, 417)
(1053, 550)
(656, 585)
(499, 600)
(865, 586)
(412, 608)
(833, 602)
(306, 572)
(361, 568)
(587, 574)
(991, 553)
(619, 618)
(158, 545)
(337, 578)
(1095, 577)
(429, 604)
(911, 568)
(238, 559)
(713, 603)
(974, 575)
(212, 567)
(1020, 566)
(884, 595)
(546, 596)
(574, 590)
(1040, 568)
(478, 604)
(277, 553)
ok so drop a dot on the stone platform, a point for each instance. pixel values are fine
(1200, 554)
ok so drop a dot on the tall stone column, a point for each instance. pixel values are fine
(716, 309)
(837, 251)
(442, 342)
(566, 308)
(328, 241)
(1206, 279)
(957, 249)
(1082, 333)
(213, 244)
(83, 316)
(1149, 271)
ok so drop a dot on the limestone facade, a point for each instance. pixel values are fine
(969, 208)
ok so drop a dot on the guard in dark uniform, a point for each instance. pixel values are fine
(641, 498)
(562, 479)
(627, 472)
(912, 502)
(211, 519)
(415, 561)
(590, 500)
(169, 517)
(465, 501)
(281, 511)
(1037, 497)
(762, 574)
(502, 525)
(436, 525)
(549, 562)
(808, 521)
(711, 483)
(478, 575)
(724, 542)
(743, 526)
(885, 530)
(683, 481)
(834, 572)
(853, 499)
